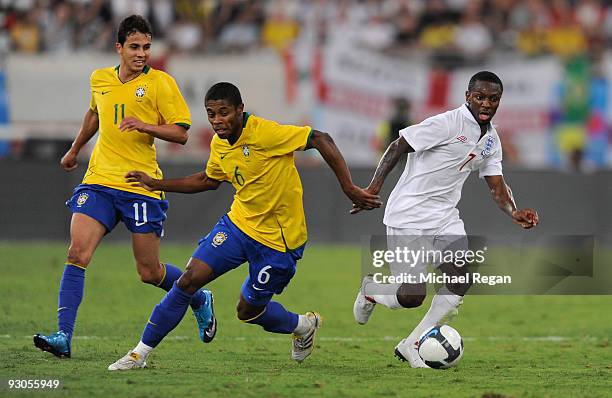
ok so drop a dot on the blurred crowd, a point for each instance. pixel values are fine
(450, 31)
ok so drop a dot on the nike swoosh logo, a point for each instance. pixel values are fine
(211, 332)
(104, 92)
(223, 156)
(62, 308)
(139, 224)
(256, 288)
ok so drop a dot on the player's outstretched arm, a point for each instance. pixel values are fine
(388, 161)
(502, 195)
(198, 182)
(166, 132)
(89, 127)
(324, 143)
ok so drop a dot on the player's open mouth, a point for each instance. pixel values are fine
(484, 116)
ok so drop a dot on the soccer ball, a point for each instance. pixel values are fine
(441, 347)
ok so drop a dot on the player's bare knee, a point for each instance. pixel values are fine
(246, 312)
(410, 300)
(189, 282)
(185, 281)
(150, 272)
(458, 273)
(242, 311)
(411, 295)
(149, 276)
(78, 256)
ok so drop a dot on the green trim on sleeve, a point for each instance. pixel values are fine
(308, 139)
(184, 125)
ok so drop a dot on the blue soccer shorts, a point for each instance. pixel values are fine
(141, 214)
(226, 247)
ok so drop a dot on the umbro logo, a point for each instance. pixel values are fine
(462, 138)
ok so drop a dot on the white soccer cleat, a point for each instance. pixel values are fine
(407, 351)
(132, 360)
(304, 344)
(363, 308)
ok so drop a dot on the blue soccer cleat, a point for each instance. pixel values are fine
(205, 316)
(57, 344)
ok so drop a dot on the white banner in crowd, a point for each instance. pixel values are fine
(360, 85)
(353, 92)
(375, 73)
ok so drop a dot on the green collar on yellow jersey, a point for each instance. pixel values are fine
(145, 70)
(245, 118)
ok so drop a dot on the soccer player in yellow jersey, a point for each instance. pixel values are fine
(265, 227)
(131, 104)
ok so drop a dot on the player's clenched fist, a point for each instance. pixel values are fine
(526, 218)
(69, 161)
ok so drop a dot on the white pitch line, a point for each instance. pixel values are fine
(554, 339)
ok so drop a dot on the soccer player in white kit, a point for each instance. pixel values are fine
(421, 211)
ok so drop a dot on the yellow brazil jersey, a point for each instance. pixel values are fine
(154, 98)
(267, 205)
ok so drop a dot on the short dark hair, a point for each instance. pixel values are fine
(224, 91)
(133, 24)
(485, 76)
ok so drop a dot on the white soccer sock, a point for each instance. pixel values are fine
(303, 325)
(142, 349)
(443, 304)
(386, 294)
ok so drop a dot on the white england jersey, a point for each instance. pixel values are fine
(447, 148)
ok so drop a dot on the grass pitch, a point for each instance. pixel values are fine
(515, 346)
